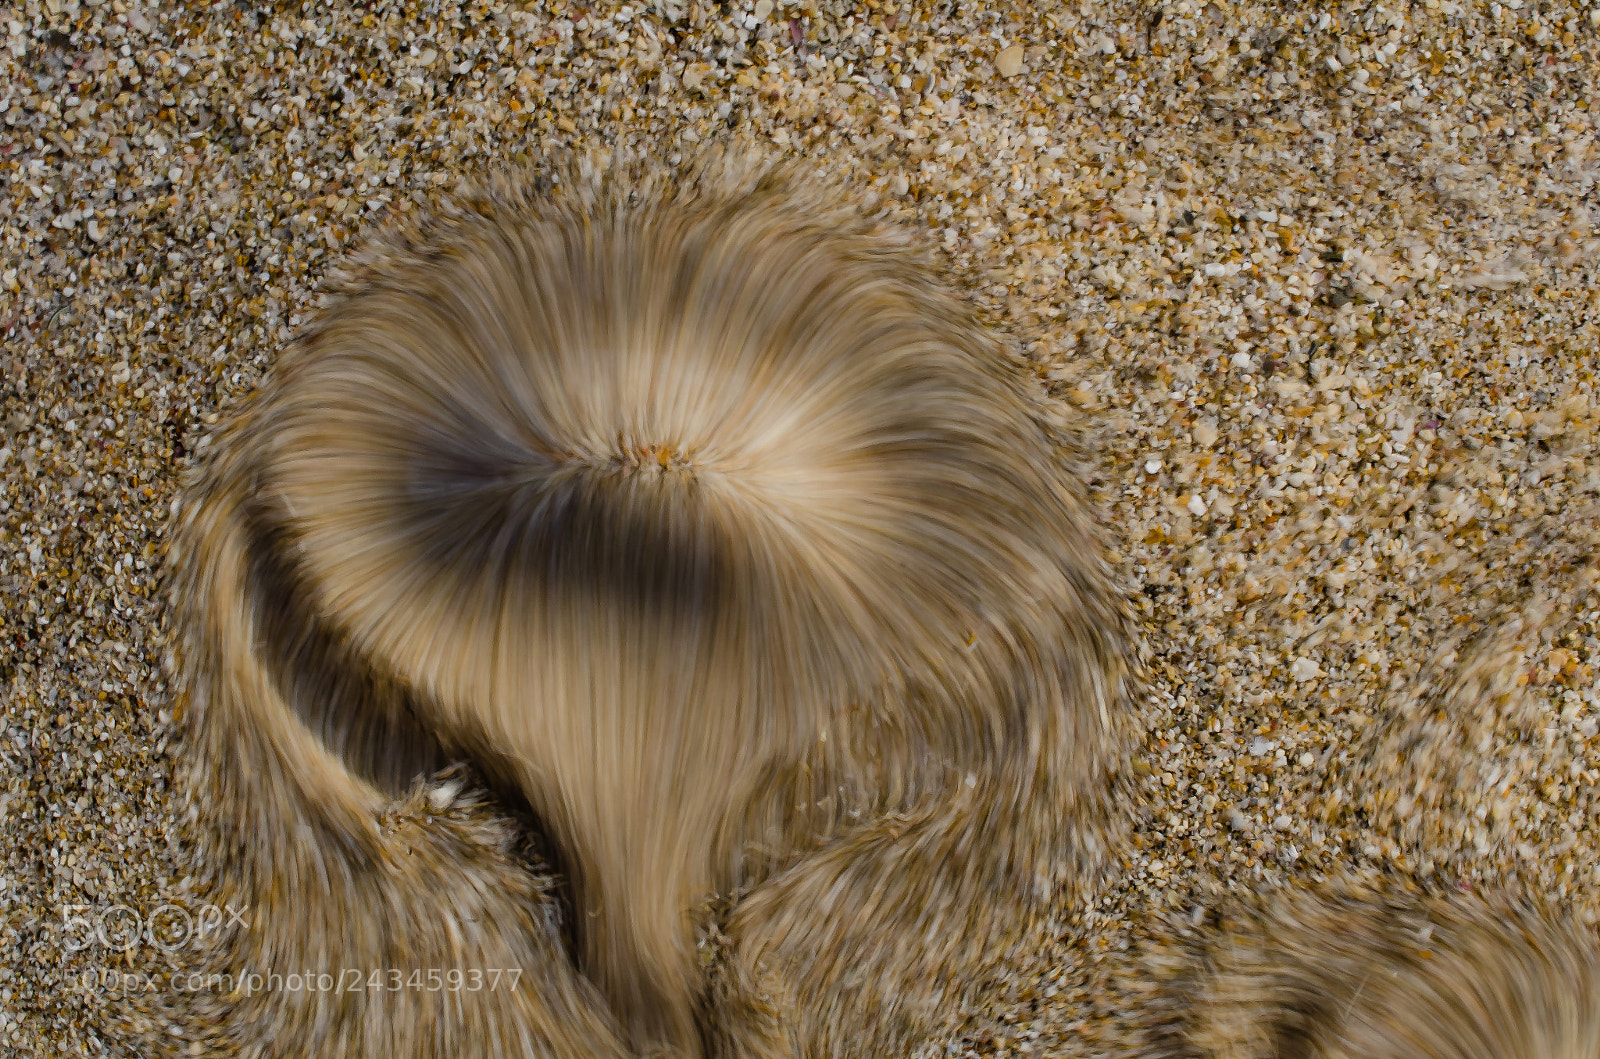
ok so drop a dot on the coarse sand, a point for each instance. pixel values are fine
(1316, 282)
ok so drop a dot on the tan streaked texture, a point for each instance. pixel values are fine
(697, 515)
(1356, 973)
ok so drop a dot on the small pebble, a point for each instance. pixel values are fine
(1304, 669)
(443, 796)
(1009, 62)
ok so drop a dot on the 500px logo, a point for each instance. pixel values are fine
(170, 926)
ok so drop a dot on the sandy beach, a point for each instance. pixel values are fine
(1316, 286)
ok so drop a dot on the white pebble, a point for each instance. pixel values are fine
(441, 796)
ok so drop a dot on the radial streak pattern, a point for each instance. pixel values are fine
(715, 534)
